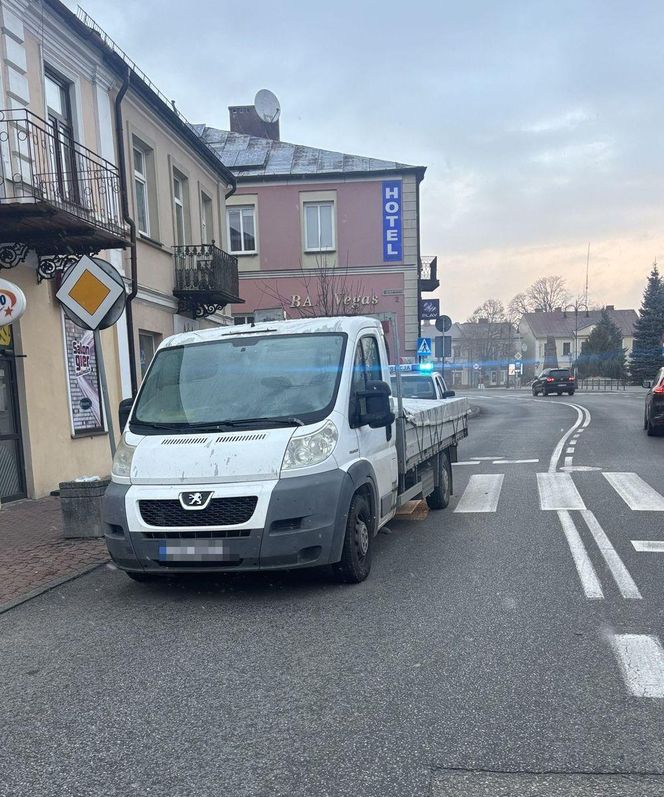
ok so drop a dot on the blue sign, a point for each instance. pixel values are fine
(424, 347)
(429, 309)
(391, 199)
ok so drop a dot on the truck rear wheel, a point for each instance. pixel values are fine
(355, 563)
(440, 497)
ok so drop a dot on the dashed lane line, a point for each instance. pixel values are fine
(648, 546)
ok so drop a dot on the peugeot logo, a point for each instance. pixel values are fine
(197, 499)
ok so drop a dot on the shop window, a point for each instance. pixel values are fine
(242, 229)
(147, 345)
(319, 226)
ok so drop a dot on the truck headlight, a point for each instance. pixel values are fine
(312, 448)
(124, 454)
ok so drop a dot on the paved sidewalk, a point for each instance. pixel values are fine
(33, 552)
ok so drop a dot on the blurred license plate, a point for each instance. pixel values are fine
(187, 553)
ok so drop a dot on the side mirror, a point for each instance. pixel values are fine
(647, 383)
(449, 394)
(374, 405)
(124, 412)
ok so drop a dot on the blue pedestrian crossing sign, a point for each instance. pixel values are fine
(424, 347)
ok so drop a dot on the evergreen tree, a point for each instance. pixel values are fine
(603, 353)
(648, 331)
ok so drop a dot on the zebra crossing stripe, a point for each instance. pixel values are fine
(635, 492)
(481, 493)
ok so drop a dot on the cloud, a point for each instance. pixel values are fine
(569, 120)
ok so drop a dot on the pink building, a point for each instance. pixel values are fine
(319, 232)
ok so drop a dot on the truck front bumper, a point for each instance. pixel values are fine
(298, 522)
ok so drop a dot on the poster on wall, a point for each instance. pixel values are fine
(85, 403)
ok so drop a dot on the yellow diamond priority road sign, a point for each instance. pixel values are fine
(90, 291)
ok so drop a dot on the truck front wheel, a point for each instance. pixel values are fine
(355, 563)
(440, 497)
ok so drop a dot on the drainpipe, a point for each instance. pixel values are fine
(122, 167)
(419, 255)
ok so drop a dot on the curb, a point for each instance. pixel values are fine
(28, 596)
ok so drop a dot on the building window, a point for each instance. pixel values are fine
(60, 117)
(243, 319)
(207, 228)
(242, 229)
(319, 226)
(567, 349)
(141, 189)
(147, 345)
(179, 209)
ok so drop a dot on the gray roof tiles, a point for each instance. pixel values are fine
(557, 325)
(249, 156)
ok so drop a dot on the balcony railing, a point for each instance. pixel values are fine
(42, 169)
(206, 279)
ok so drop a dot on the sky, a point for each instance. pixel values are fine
(540, 123)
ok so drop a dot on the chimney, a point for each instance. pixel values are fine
(610, 307)
(244, 119)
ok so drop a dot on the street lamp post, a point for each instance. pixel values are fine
(576, 307)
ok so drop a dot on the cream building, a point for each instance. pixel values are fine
(65, 178)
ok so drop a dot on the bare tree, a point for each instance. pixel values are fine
(518, 307)
(547, 293)
(326, 290)
(493, 310)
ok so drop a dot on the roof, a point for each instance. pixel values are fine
(261, 158)
(349, 324)
(471, 329)
(557, 325)
(119, 61)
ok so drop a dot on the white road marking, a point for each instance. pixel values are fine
(641, 661)
(577, 468)
(570, 451)
(648, 546)
(466, 462)
(620, 573)
(481, 493)
(513, 461)
(568, 463)
(584, 567)
(636, 493)
(558, 491)
(582, 421)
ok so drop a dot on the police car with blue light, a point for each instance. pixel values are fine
(419, 381)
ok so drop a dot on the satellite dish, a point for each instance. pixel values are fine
(267, 106)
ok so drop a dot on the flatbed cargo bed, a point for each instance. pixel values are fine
(431, 427)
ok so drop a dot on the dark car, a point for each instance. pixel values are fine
(653, 417)
(554, 380)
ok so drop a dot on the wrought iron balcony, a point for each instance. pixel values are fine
(428, 274)
(56, 196)
(206, 279)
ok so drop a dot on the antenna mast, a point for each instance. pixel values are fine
(587, 271)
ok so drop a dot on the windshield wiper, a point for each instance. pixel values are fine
(291, 421)
(171, 427)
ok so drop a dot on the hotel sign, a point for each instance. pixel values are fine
(392, 238)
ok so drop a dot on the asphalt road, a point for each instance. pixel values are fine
(480, 657)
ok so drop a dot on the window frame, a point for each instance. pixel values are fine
(241, 208)
(142, 178)
(318, 204)
(567, 349)
(178, 204)
(155, 338)
(353, 409)
(207, 235)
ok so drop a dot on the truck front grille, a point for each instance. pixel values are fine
(219, 512)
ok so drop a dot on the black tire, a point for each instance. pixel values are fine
(545, 392)
(441, 495)
(535, 392)
(645, 420)
(571, 392)
(559, 392)
(355, 563)
(650, 429)
(142, 577)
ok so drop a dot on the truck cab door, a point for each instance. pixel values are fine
(377, 446)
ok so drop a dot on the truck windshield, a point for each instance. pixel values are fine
(242, 381)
